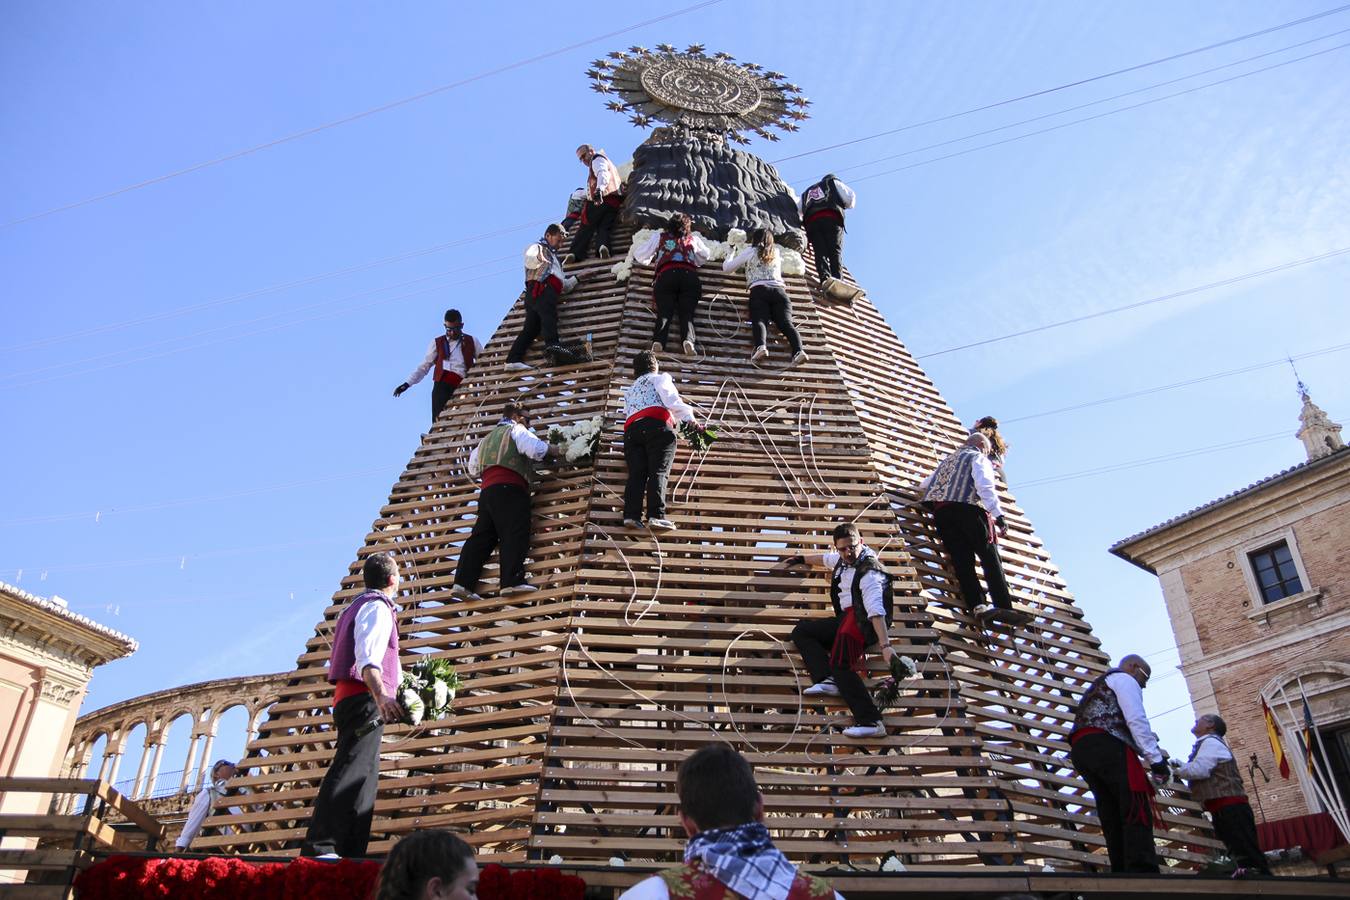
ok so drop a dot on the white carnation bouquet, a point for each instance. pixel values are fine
(425, 693)
(580, 440)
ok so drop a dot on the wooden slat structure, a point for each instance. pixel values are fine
(581, 699)
(66, 843)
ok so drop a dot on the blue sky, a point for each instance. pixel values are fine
(237, 437)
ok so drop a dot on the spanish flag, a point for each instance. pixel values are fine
(1273, 732)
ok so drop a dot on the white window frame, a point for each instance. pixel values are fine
(1259, 608)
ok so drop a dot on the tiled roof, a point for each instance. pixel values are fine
(58, 608)
(1278, 476)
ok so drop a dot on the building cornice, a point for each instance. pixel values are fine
(1216, 523)
(48, 624)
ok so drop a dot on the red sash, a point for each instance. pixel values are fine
(651, 412)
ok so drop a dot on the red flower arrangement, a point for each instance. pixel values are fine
(230, 878)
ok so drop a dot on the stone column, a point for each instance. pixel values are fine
(115, 761)
(188, 764)
(154, 765)
(135, 792)
(204, 770)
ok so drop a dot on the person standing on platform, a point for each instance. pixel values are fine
(364, 669)
(768, 296)
(603, 198)
(964, 501)
(1111, 734)
(676, 253)
(730, 853)
(651, 406)
(823, 205)
(1214, 779)
(545, 283)
(504, 460)
(221, 772)
(452, 354)
(833, 648)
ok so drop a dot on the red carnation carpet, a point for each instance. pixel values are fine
(230, 878)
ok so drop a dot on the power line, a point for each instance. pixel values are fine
(1151, 460)
(1200, 379)
(263, 318)
(1119, 96)
(269, 329)
(346, 120)
(1247, 276)
(258, 292)
(1109, 112)
(1066, 86)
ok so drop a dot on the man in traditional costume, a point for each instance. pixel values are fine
(1111, 735)
(1214, 779)
(651, 407)
(675, 253)
(603, 199)
(545, 283)
(823, 205)
(452, 355)
(729, 853)
(222, 770)
(504, 460)
(364, 670)
(833, 649)
(963, 497)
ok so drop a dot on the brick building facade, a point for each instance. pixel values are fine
(1257, 587)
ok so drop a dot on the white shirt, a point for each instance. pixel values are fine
(982, 472)
(654, 888)
(846, 196)
(774, 269)
(666, 392)
(370, 634)
(525, 441)
(534, 258)
(201, 808)
(1210, 751)
(872, 587)
(647, 252)
(454, 360)
(606, 176)
(1130, 696)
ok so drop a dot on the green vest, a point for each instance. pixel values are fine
(498, 449)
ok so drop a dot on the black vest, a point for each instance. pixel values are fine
(865, 564)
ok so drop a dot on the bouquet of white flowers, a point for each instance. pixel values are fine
(579, 441)
(427, 690)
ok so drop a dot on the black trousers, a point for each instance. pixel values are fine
(649, 448)
(1100, 759)
(340, 822)
(441, 392)
(676, 291)
(503, 518)
(1236, 827)
(814, 638)
(541, 317)
(964, 530)
(599, 222)
(827, 241)
(771, 304)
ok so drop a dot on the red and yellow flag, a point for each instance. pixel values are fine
(1273, 732)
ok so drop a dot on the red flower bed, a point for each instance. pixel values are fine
(229, 878)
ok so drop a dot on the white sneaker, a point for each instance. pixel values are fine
(657, 348)
(523, 588)
(661, 524)
(826, 688)
(518, 366)
(798, 358)
(631, 523)
(688, 348)
(460, 592)
(760, 352)
(328, 856)
(866, 731)
(983, 611)
(603, 253)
